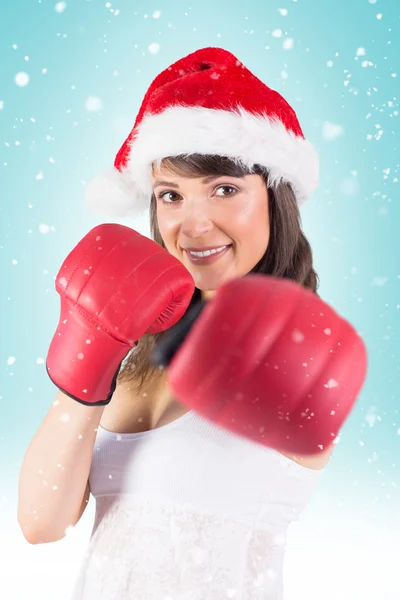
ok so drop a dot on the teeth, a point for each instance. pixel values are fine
(207, 252)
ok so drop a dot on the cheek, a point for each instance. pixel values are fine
(168, 226)
(252, 222)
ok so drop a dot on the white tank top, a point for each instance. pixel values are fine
(189, 511)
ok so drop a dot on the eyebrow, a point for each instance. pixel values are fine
(207, 179)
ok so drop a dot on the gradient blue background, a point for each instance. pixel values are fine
(347, 101)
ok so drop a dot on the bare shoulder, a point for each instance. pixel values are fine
(313, 461)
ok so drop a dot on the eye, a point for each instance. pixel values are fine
(229, 190)
(168, 197)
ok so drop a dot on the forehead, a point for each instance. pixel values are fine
(163, 174)
(168, 178)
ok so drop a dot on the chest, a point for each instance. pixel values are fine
(155, 406)
(131, 411)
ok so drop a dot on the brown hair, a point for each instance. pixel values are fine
(288, 254)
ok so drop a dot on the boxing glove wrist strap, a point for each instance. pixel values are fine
(169, 345)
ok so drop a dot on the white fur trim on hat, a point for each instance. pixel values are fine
(112, 193)
(239, 135)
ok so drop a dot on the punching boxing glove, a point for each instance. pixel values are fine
(115, 286)
(269, 361)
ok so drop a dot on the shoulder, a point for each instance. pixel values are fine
(313, 461)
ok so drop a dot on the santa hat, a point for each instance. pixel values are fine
(207, 103)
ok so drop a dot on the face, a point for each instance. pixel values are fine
(218, 227)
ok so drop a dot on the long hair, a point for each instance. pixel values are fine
(288, 255)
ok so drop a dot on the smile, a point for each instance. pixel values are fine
(207, 256)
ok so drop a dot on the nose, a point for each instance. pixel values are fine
(196, 222)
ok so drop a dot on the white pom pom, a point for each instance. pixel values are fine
(113, 194)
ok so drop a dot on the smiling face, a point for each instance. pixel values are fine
(217, 226)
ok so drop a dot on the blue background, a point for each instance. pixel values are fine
(53, 142)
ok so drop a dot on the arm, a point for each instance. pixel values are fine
(114, 286)
(53, 488)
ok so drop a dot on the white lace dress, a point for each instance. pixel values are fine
(189, 512)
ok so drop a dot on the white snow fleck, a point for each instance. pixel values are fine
(379, 281)
(156, 14)
(21, 79)
(1, 104)
(94, 104)
(39, 176)
(297, 336)
(153, 48)
(43, 228)
(371, 417)
(360, 52)
(80, 356)
(277, 33)
(349, 186)
(64, 417)
(331, 131)
(283, 12)
(11, 360)
(60, 7)
(288, 44)
(332, 383)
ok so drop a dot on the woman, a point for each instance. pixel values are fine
(185, 509)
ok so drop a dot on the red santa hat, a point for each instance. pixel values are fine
(207, 103)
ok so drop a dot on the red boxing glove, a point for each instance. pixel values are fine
(115, 286)
(270, 361)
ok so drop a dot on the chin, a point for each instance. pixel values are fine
(208, 285)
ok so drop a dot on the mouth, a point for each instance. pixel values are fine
(208, 256)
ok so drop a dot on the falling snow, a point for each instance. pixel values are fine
(347, 94)
(288, 44)
(60, 7)
(331, 131)
(64, 417)
(94, 104)
(22, 79)
(332, 383)
(297, 336)
(154, 48)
